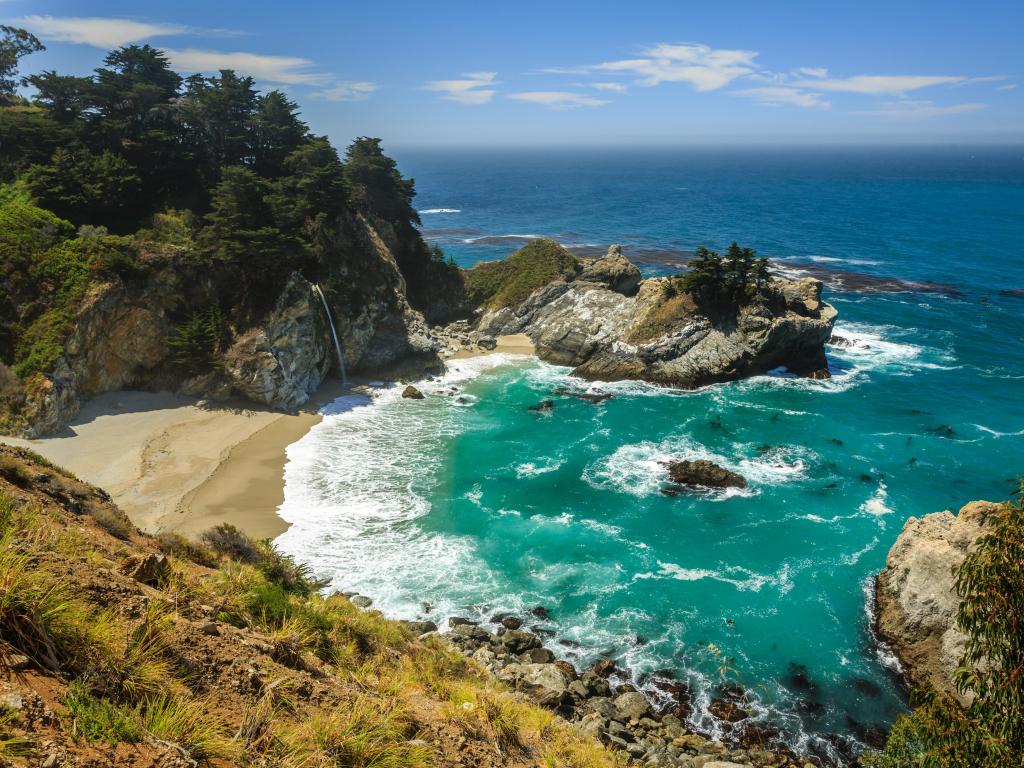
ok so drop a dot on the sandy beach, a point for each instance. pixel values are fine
(174, 463)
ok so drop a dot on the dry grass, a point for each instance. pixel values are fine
(664, 317)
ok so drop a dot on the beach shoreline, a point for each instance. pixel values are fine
(182, 465)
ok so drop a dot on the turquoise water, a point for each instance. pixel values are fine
(469, 503)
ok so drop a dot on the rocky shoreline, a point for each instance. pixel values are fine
(605, 703)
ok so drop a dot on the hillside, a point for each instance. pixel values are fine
(115, 653)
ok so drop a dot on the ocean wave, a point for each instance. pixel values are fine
(499, 239)
(741, 578)
(427, 211)
(998, 434)
(839, 260)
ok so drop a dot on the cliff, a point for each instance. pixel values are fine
(603, 320)
(122, 333)
(915, 594)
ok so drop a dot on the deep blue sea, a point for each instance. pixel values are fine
(478, 505)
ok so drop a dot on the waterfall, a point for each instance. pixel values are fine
(334, 333)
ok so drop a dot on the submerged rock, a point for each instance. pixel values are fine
(543, 405)
(915, 593)
(704, 474)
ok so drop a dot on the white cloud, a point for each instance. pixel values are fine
(779, 95)
(288, 70)
(472, 89)
(703, 67)
(1007, 87)
(557, 99)
(813, 71)
(880, 84)
(346, 91)
(907, 109)
(613, 87)
(97, 31)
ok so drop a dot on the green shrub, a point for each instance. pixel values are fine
(113, 521)
(177, 545)
(227, 540)
(496, 284)
(196, 343)
(99, 720)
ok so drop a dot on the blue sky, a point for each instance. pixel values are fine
(590, 73)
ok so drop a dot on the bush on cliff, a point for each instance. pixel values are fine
(989, 732)
(497, 284)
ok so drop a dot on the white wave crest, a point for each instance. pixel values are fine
(427, 211)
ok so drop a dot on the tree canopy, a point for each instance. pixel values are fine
(725, 282)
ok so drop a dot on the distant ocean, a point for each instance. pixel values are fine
(475, 506)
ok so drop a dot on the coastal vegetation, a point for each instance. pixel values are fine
(505, 283)
(108, 177)
(723, 283)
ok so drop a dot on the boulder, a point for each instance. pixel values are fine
(148, 569)
(411, 393)
(487, 342)
(704, 474)
(536, 678)
(916, 600)
(517, 641)
(632, 706)
(538, 656)
(614, 271)
(729, 711)
(543, 405)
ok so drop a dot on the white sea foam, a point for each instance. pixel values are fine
(439, 210)
(876, 505)
(838, 260)
(739, 577)
(498, 238)
(639, 468)
(539, 467)
(854, 558)
(995, 433)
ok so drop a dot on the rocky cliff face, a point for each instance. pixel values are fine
(120, 336)
(915, 596)
(611, 325)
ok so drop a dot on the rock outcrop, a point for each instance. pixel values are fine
(704, 474)
(120, 336)
(916, 602)
(609, 325)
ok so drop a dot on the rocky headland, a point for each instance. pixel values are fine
(600, 317)
(916, 600)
